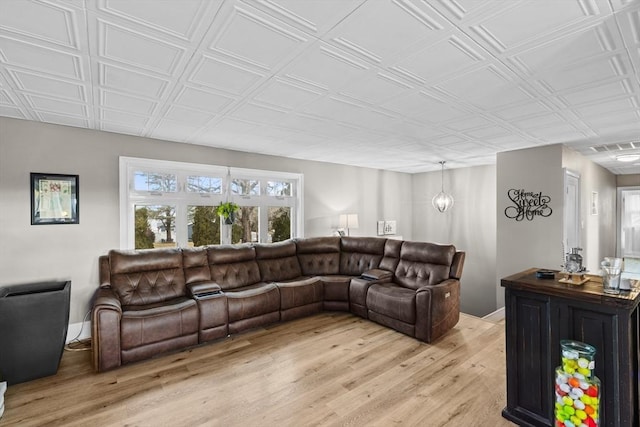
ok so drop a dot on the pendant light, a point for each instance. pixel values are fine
(442, 201)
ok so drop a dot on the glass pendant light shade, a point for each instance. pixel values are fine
(442, 201)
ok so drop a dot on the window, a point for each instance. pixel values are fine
(245, 187)
(155, 182)
(203, 226)
(279, 224)
(245, 226)
(155, 226)
(204, 184)
(629, 222)
(172, 204)
(278, 188)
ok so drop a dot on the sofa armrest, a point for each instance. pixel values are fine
(358, 288)
(437, 309)
(377, 274)
(456, 265)
(106, 298)
(104, 270)
(105, 332)
(199, 290)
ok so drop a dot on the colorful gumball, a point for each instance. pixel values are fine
(576, 388)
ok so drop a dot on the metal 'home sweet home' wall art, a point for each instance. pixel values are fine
(527, 205)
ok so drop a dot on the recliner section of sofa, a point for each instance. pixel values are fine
(423, 299)
(299, 295)
(155, 301)
(144, 310)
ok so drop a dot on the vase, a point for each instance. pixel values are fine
(577, 389)
(229, 220)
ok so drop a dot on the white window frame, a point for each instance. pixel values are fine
(620, 198)
(182, 199)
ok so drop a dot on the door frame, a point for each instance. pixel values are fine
(571, 175)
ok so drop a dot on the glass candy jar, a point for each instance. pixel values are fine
(577, 389)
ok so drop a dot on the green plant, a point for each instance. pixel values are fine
(227, 209)
(144, 237)
(281, 224)
(205, 226)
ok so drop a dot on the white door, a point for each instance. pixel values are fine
(571, 229)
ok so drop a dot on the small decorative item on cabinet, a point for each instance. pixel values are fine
(574, 279)
(577, 389)
(573, 268)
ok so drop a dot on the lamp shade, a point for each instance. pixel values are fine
(349, 221)
(442, 201)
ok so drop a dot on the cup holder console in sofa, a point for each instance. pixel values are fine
(159, 300)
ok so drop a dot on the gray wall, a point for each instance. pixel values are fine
(538, 243)
(30, 253)
(470, 225)
(495, 246)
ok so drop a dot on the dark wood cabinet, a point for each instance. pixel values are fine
(540, 313)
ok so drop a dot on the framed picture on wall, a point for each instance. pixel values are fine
(389, 227)
(54, 199)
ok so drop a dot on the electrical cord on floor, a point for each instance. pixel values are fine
(77, 344)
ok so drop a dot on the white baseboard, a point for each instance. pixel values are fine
(79, 331)
(496, 315)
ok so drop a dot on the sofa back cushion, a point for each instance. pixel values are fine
(233, 266)
(319, 256)
(391, 255)
(147, 276)
(277, 261)
(423, 264)
(196, 265)
(359, 254)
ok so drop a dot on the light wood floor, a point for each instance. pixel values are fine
(329, 369)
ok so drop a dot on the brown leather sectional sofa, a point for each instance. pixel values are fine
(153, 301)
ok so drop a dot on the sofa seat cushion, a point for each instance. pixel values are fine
(392, 301)
(299, 292)
(251, 301)
(151, 323)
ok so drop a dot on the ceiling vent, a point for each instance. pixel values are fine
(616, 147)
